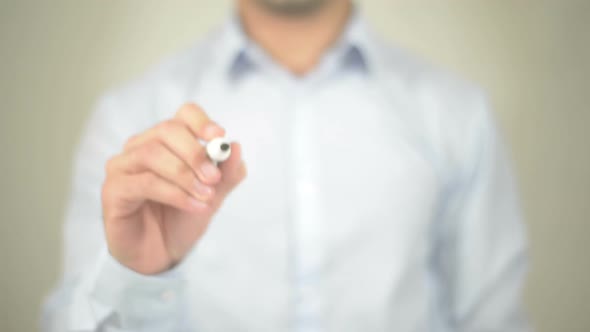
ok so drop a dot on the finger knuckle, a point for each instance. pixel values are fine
(148, 181)
(131, 141)
(193, 114)
(108, 191)
(197, 156)
(166, 128)
(180, 170)
(150, 151)
(188, 109)
(178, 198)
(183, 111)
(109, 166)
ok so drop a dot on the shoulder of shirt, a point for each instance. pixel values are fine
(416, 75)
(452, 113)
(450, 96)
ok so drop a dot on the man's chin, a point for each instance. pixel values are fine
(293, 7)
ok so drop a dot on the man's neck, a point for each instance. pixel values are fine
(295, 42)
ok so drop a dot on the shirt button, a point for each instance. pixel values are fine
(167, 296)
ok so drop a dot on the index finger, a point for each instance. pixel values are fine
(198, 122)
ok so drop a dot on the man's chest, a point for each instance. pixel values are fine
(340, 155)
(336, 190)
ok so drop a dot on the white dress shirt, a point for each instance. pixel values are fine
(379, 198)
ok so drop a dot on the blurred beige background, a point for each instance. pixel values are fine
(533, 57)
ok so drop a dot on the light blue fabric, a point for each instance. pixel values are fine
(379, 198)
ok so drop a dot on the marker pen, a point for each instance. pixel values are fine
(218, 149)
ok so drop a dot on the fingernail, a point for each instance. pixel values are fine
(209, 170)
(211, 129)
(197, 205)
(202, 190)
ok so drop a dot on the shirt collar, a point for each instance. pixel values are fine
(238, 53)
(354, 46)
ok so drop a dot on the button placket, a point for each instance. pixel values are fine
(306, 216)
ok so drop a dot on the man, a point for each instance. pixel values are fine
(378, 196)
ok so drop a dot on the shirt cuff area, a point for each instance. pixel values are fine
(137, 300)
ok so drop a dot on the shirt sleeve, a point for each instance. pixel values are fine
(483, 257)
(96, 293)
